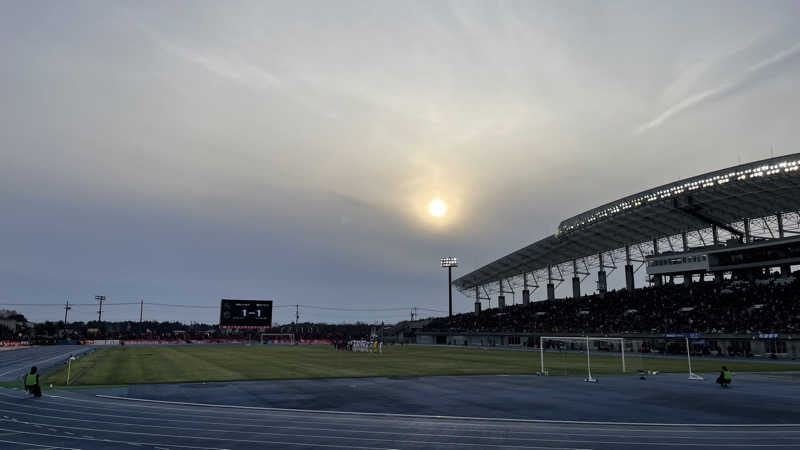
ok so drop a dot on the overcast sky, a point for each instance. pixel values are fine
(182, 152)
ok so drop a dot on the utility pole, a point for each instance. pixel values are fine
(100, 299)
(141, 313)
(66, 310)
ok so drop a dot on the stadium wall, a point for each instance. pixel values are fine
(759, 346)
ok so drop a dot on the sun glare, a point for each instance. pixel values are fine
(437, 208)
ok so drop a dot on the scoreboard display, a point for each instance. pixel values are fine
(245, 313)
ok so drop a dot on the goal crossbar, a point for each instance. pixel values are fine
(585, 339)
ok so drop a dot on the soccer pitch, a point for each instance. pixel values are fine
(170, 364)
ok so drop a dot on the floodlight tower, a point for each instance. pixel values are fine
(450, 262)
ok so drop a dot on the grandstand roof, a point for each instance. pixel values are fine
(726, 196)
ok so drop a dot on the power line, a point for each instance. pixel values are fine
(176, 305)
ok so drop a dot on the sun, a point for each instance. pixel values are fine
(437, 208)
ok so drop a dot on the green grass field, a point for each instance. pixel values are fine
(130, 365)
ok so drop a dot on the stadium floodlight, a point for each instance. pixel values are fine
(450, 262)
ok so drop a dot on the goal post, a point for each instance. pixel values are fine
(277, 338)
(576, 342)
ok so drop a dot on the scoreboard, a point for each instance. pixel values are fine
(245, 313)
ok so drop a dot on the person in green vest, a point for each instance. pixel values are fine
(725, 377)
(32, 383)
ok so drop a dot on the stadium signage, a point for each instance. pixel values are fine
(245, 313)
(683, 335)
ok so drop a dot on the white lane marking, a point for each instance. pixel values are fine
(750, 438)
(185, 411)
(110, 440)
(217, 448)
(462, 436)
(36, 363)
(463, 418)
(35, 445)
(310, 436)
(427, 443)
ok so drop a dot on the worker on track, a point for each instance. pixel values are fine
(32, 383)
(725, 377)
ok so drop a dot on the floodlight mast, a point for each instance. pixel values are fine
(450, 262)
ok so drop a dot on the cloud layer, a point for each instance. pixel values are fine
(184, 152)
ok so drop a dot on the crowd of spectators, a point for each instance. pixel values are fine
(54, 332)
(728, 307)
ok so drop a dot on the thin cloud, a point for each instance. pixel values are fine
(747, 75)
(240, 72)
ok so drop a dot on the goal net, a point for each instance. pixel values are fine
(678, 349)
(277, 338)
(581, 355)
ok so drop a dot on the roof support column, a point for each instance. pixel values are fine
(576, 281)
(747, 237)
(685, 241)
(551, 288)
(786, 269)
(602, 285)
(526, 293)
(501, 299)
(629, 284)
(658, 280)
(715, 234)
(477, 301)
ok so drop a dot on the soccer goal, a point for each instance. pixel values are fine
(676, 346)
(277, 338)
(573, 354)
(692, 376)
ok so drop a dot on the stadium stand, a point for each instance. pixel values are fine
(731, 307)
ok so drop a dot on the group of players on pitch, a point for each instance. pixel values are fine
(360, 345)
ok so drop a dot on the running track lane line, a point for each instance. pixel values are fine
(355, 438)
(253, 441)
(461, 418)
(452, 423)
(37, 445)
(402, 433)
(21, 368)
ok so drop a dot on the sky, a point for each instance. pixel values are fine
(184, 152)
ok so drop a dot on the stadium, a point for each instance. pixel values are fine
(708, 280)
(716, 252)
